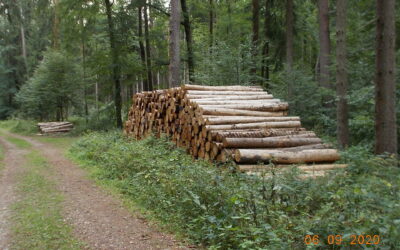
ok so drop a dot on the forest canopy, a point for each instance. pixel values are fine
(70, 58)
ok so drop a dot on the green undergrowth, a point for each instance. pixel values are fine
(25, 127)
(221, 209)
(37, 220)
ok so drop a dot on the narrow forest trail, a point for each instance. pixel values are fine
(12, 163)
(98, 219)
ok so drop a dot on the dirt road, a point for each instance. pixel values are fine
(98, 219)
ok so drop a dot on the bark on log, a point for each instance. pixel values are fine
(288, 124)
(246, 119)
(261, 96)
(316, 167)
(222, 88)
(233, 102)
(277, 156)
(270, 107)
(235, 112)
(223, 93)
(269, 142)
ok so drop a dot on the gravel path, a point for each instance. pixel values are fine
(13, 162)
(98, 219)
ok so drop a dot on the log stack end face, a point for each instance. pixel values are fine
(244, 123)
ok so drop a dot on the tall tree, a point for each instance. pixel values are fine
(174, 63)
(189, 39)
(142, 49)
(255, 35)
(148, 54)
(385, 81)
(265, 50)
(115, 64)
(211, 23)
(56, 25)
(341, 75)
(289, 43)
(324, 43)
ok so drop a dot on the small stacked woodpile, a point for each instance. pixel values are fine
(243, 123)
(55, 127)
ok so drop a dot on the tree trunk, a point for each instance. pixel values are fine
(211, 24)
(174, 64)
(56, 26)
(289, 44)
(142, 49)
(385, 81)
(148, 54)
(23, 40)
(341, 75)
(115, 65)
(325, 44)
(267, 20)
(189, 39)
(255, 36)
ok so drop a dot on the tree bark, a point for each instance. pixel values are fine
(287, 157)
(142, 49)
(265, 50)
(269, 142)
(325, 44)
(211, 24)
(385, 80)
(289, 44)
(148, 54)
(255, 125)
(56, 26)
(174, 65)
(341, 75)
(189, 39)
(255, 36)
(115, 65)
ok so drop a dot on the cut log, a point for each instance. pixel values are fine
(216, 92)
(234, 102)
(235, 112)
(288, 124)
(222, 88)
(269, 107)
(269, 142)
(312, 146)
(217, 120)
(316, 167)
(276, 156)
(261, 96)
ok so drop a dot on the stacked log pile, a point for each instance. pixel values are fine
(243, 123)
(55, 127)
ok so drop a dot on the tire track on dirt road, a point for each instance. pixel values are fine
(13, 161)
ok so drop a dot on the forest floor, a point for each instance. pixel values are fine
(47, 201)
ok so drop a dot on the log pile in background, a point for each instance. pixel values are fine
(55, 127)
(244, 123)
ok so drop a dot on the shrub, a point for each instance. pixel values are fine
(227, 210)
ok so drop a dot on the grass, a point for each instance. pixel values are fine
(1, 157)
(37, 220)
(20, 143)
(25, 127)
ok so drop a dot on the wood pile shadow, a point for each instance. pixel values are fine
(243, 123)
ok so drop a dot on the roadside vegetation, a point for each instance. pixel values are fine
(222, 209)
